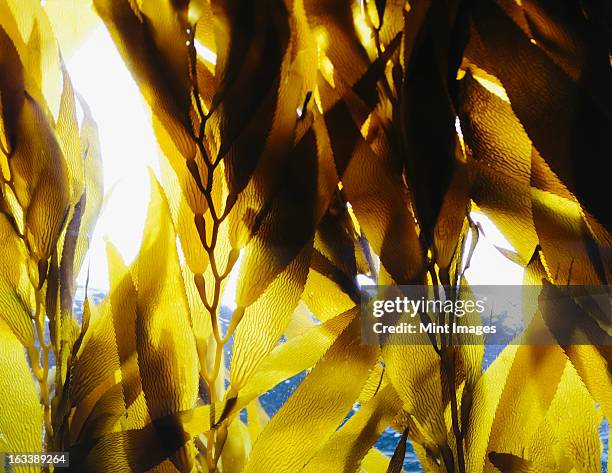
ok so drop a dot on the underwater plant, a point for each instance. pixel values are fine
(305, 143)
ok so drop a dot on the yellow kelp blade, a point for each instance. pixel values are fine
(375, 462)
(316, 408)
(349, 444)
(574, 419)
(72, 21)
(415, 373)
(21, 414)
(286, 360)
(93, 372)
(499, 164)
(41, 179)
(516, 389)
(122, 301)
(296, 355)
(257, 419)
(266, 319)
(27, 24)
(237, 447)
(16, 292)
(164, 339)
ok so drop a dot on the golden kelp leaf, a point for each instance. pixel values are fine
(265, 320)
(333, 21)
(301, 321)
(93, 185)
(570, 319)
(375, 462)
(316, 408)
(68, 136)
(331, 287)
(96, 360)
(294, 356)
(21, 414)
(287, 222)
(414, 372)
(41, 179)
(122, 301)
(85, 169)
(164, 340)
(126, 451)
(102, 418)
(257, 419)
(593, 365)
(72, 22)
(450, 223)
(349, 444)
(16, 294)
(516, 390)
(500, 164)
(380, 201)
(570, 250)
(181, 179)
(236, 448)
(575, 420)
(28, 26)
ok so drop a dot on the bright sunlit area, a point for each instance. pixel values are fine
(129, 147)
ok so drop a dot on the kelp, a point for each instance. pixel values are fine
(306, 145)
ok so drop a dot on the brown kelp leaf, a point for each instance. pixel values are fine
(164, 340)
(567, 125)
(40, 179)
(427, 108)
(251, 43)
(509, 463)
(122, 301)
(11, 92)
(316, 408)
(288, 220)
(381, 203)
(500, 164)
